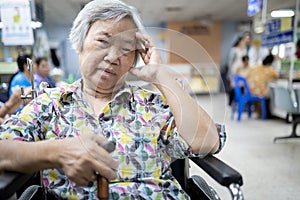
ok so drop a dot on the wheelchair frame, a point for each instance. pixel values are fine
(11, 182)
(216, 169)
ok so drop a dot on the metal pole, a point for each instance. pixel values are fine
(264, 12)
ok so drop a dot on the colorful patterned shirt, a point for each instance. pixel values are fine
(139, 121)
(258, 79)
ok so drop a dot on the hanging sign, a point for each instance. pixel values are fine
(278, 31)
(16, 19)
(254, 7)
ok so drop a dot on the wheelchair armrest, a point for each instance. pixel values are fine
(11, 182)
(218, 170)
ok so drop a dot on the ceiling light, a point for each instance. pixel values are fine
(282, 13)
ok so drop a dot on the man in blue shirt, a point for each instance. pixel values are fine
(20, 78)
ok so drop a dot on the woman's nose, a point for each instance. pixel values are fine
(112, 55)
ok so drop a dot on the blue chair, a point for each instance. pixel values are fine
(242, 97)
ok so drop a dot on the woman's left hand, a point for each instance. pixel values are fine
(151, 57)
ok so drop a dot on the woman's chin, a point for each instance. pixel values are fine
(106, 86)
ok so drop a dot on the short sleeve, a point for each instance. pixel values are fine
(222, 136)
(175, 145)
(170, 139)
(30, 124)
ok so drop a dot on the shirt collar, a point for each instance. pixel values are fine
(67, 92)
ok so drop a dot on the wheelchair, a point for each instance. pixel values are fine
(195, 186)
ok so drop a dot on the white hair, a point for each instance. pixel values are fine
(100, 10)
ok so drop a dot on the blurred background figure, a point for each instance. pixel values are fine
(42, 73)
(240, 48)
(242, 69)
(235, 55)
(225, 80)
(257, 53)
(57, 75)
(258, 79)
(20, 50)
(13, 103)
(22, 77)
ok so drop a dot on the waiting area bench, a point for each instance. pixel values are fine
(288, 101)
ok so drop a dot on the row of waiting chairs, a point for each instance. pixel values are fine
(287, 100)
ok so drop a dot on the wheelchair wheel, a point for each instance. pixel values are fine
(208, 190)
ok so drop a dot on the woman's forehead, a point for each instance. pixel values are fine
(124, 27)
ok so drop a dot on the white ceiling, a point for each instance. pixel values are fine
(154, 12)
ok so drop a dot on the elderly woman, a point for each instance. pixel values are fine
(66, 126)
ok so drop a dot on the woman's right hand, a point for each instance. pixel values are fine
(81, 157)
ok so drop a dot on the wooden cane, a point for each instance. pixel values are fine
(103, 185)
(103, 188)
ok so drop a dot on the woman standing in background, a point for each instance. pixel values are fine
(42, 72)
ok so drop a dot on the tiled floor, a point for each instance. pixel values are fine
(270, 170)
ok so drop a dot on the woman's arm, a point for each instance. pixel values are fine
(23, 151)
(193, 123)
(79, 157)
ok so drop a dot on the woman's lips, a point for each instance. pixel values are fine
(111, 72)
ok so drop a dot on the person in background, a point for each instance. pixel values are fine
(258, 79)
(20, 50)
(57, 75)
(257, 53)
(225, 80)
(61, 132)
(21, 78)
(239, 49)
(42, 73)
(243, 69)
(13, 103)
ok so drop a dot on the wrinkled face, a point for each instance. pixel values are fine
(108, 53)
(43, 68)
